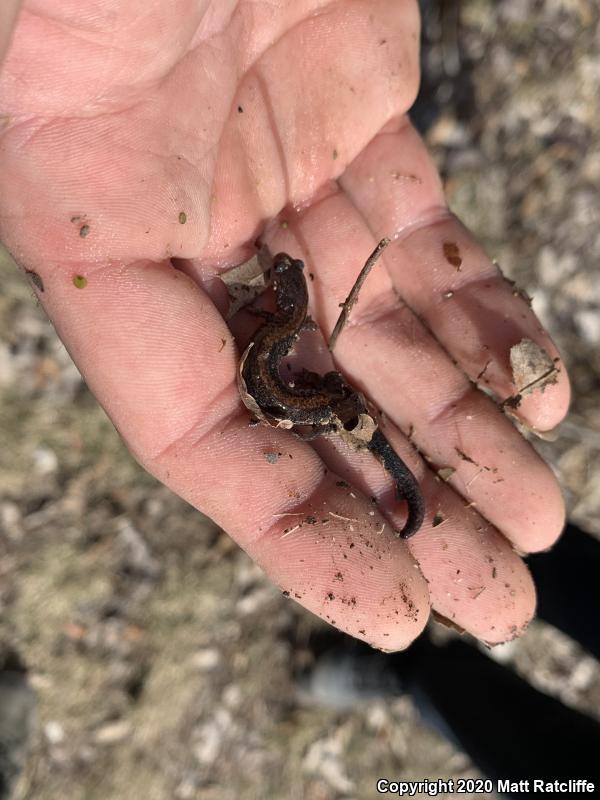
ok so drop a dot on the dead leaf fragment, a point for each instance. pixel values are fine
(452, 255)
(361, 434)
(445, 473)
(532, 367)
(247, 281)
(251, 403)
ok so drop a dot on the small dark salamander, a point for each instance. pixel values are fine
(324, 403)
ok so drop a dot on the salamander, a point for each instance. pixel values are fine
(324, 404)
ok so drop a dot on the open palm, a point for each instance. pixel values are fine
(144, 148)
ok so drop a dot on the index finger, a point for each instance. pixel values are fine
(443, 274)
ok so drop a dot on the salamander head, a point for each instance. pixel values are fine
(282, 262)
(290, 286)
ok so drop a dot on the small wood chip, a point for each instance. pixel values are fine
(350, 301)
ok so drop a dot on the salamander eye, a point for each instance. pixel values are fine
(283, 262)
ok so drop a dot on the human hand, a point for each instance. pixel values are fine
(143, 149)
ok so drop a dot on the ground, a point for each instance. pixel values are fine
(161, 659)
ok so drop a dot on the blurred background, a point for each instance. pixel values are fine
(142, 654)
